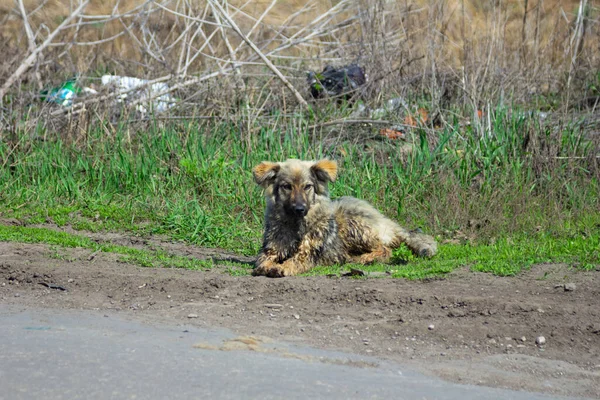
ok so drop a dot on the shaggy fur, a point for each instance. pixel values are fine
(304, 228)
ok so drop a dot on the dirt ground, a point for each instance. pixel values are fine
(467, 327)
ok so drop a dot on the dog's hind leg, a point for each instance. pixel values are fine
(379, 254)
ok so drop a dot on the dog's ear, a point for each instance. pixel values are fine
(265, 172)
(325, 171)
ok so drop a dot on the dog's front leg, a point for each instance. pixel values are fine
(266, 264)
(300, 262)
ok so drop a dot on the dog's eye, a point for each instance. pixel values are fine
(286, 186)
(308, 187)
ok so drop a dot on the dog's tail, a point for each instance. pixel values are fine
(421, 244)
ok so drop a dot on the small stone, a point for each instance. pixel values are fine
(508, 338)
(540, 310)
(296, 316)
(431, 327)
(17, 295)
(569, 287)
(523, 339)
(540, 340)
(443, 354)
(520, 346)
(192, 315)
(509, 346)
(492, 341)
(273, 305)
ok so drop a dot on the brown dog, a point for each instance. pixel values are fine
(304, 228)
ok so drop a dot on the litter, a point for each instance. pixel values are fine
(149, 96)
(339, 82)
(63, 95)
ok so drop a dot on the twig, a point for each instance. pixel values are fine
(30, 61)
(257, 22)
(577, 40)
(232, 57)
(28, 31)
(267, 62)
(351, 121)
(203, 21)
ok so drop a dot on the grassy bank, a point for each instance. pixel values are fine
(490, 191)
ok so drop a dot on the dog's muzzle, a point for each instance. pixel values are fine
(300, 210)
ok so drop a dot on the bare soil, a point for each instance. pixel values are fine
(467, 327)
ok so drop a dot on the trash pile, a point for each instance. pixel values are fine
(344, 82)
(147, 97)
(63, 95)
(341, 82)
(154, 96)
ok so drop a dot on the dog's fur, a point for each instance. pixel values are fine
(304, 228)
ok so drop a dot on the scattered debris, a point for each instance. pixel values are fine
(540, 340)
(66, 93)
(392, 133)
(94, 254)
(273, 305)
(418, 118)
(51, 286)
(354, 272)
(63, 95)
(339, 82)
(154, 97)
(569, 287)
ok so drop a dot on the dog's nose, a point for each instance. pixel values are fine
(300, 209)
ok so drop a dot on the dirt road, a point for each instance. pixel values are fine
(469, 327)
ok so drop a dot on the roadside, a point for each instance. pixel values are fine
(468, 327)
(99, 355)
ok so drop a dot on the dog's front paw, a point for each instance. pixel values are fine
(275, 270)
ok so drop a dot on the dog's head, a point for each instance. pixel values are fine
(293, 184)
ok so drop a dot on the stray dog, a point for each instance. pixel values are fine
(304, 228)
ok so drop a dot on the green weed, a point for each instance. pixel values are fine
(499, 181)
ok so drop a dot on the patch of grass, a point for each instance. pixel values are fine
(144, 258)
(193, 182)
(505, 257)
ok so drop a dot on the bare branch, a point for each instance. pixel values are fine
(30, 61)
(267, 62)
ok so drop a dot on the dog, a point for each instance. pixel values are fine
(305, 228)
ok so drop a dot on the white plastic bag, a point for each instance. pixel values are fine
(149, 95)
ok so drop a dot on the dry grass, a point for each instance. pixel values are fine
(466, 52)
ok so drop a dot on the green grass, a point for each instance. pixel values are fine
(505, 257)
(144, 258)
(515, 181)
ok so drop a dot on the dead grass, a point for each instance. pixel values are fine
(467, 53)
